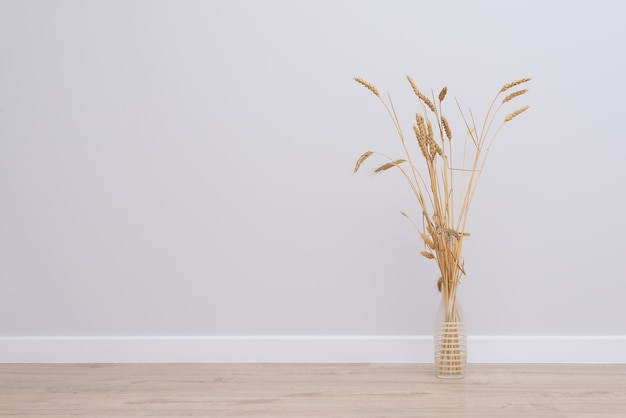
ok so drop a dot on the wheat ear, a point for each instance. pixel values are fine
(513, 84)
(442, 94)
(387, 166)
(419, 94)
(513, 95)
(369, 86)
(362, 158)
(510, 116)
(446, 127)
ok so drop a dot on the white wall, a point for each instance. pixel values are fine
(185, 168)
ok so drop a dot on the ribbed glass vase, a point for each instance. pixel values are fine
(450, 339)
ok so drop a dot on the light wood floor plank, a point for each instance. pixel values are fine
(310, 390)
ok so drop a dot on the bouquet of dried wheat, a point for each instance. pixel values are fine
(444, 188)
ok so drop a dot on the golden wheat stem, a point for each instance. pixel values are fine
(446, 189)
(412, 222)
(471, 131)
(486, 126)
(472, 190)
(415, 188)
(464, 205)
(484, 160)
(394, 117)
(467, 199)
(444, 127)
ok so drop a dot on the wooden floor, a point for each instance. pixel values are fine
(310, 390)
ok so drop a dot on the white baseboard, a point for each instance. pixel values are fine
(306, 349)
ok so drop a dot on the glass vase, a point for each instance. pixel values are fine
(450, 339)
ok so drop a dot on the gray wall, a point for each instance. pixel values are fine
(185, 168)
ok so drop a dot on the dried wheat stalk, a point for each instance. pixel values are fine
(444, 209)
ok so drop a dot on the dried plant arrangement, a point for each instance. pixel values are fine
(444, 183)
